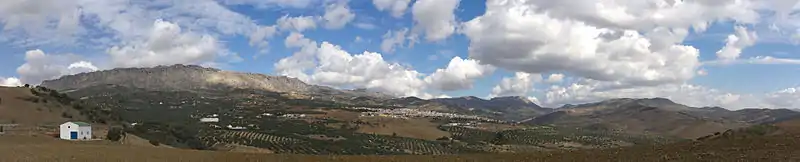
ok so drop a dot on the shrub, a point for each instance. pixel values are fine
(115, 134)
(154, 143)
(66, 115)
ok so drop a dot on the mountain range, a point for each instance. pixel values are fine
(637, 116)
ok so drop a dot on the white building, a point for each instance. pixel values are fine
(209, 120)
(76, 131)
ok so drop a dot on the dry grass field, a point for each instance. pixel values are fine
(419, 128)
(771, 148)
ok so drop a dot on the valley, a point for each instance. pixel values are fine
(254, 114)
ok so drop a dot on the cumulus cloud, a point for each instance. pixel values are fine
(35, 16)
(261, 35)
(393, 39)
(10, 82)
(297, 24)
(458, 75)
(630, 42)
(337, 15)
(270, 3)
(40, 66)
(435, 18)
(54, 22)
(519, 85)
(735, 43)
(555, 78)
(328, 64)
(168, 44)
(692, 95)
(396, 7)
(786, 98)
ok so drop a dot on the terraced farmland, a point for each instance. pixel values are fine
(274, 143)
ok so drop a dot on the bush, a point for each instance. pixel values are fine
(154, 143)
(115, 134)
(66, 115)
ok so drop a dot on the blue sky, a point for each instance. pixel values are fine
(490, 48)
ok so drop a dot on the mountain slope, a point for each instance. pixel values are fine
(657, 116)
(509, 108)
(196, 78)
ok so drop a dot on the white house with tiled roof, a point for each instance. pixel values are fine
(76, 131)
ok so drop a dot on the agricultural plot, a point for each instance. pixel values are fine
(274, 143)
(469, 135)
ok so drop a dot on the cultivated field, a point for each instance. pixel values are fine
(772, 148)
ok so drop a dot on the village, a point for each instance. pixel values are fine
(405, 113)
(365, 112)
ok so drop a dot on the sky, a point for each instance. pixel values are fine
(732, 53)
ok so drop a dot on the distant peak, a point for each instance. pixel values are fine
(184, 66)
(412, 98)
(518, 98)
(470, 98)
(661, 99)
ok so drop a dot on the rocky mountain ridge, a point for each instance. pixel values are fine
(197, 78)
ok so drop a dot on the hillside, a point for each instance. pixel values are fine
(657, 116)
(509, 108)
(753, 148)
(196, 78)
(33, 107)
(18, 105)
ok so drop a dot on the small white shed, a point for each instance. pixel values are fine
(76, 131)
(209, 120)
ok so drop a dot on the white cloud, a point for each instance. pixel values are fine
(10, 82)
(393, 39)
(365, 26)
(337, 15)
(458, 75)
(261, 35)
(692, 95)
(782, 26)
(39, 21)
(635, 43)
(786, 98)
(270, 3)
(735, 43)
(79, 23)
(519, 85)
(555, 78)
(328, 64)
(297, 24)
(299, 62)
(765, 60)
(435, 18)
(396, 7)
(168, 44)
(39, 66)
(367, 70)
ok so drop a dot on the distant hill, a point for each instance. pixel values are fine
(509, 108)
(657, 116)
(196, 78)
